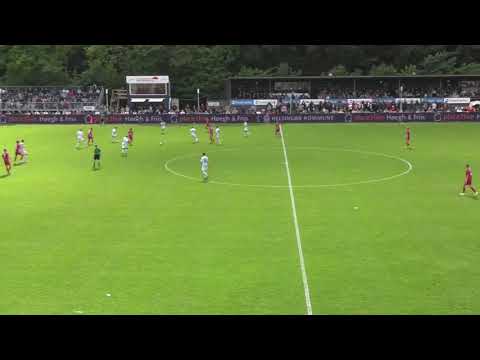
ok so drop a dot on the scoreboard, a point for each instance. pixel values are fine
(148, 86)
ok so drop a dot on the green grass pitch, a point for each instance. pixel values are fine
(161, 241)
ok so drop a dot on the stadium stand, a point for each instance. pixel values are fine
(36, 100)
(378, 97)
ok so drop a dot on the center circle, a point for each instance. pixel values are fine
(265, 167)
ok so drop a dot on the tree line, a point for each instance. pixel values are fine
(207, 66)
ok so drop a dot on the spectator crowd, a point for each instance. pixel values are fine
(367, 89)
(374, 96)
(35, 100)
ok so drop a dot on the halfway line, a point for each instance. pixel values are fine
(297, 229)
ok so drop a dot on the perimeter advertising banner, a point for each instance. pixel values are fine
(252, 118)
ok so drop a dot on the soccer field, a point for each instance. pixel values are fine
(382, 229)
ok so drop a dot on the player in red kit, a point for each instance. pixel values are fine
(90, 136)
(277, 128)
(468, 181)
(130, 136)
(210, 133)
(18, 151)
(6, 161)
(207, 124)
(407, 138)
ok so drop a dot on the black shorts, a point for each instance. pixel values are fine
(96, 157)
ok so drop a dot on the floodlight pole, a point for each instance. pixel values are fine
(401, 98)
(198, 100)
(170, 97)
(106, 99)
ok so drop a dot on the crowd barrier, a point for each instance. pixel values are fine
(251, 118)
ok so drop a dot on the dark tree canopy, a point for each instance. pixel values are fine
(207, 66)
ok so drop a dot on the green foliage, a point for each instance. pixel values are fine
(471, 68)
(207, 66)
(439, 63)
(356, 72)
(408, 70)
(339, 70)
(383, 69)
(251, 71)
(39, 65)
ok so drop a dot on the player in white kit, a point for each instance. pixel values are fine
(125, 146)
(80, 138)
(245, 129)
(217, 135)
(163, 126)
(23, 152)
(204, 166)
(193, 131)
(114, 135)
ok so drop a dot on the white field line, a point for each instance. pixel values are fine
(370, 181)
(297, 229)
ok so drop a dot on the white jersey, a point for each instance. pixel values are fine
(204, 161)
(114, 132)
(125, 143)
(245, 125)
(163, 125)
(193, 131)
(80, 135)
(217, 132)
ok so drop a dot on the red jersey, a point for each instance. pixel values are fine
(468, 174)
(18, 149)
(408, 134)
(210, 131)
(90, 134)
(6, 158)
(130, 134)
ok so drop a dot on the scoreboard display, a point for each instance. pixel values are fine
(148, 89)
(149, 86)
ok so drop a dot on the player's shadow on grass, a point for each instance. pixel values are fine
(473, 197)
(19, 164)
(3, 176)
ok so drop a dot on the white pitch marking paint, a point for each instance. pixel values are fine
(297, 229)
(370, 181)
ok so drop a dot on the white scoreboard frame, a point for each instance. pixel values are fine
(155, 79)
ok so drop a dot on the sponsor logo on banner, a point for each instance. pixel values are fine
(89, 108)
(433, 99)
(230, 118)
(463, 116)
(242, 102)
(384, 99)
(408, 100)
(309, 118)
(213, 103)
(147, 79)
(314, 101)
(456, 100)
(262, 102)
(336, 100)
(350, 101)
